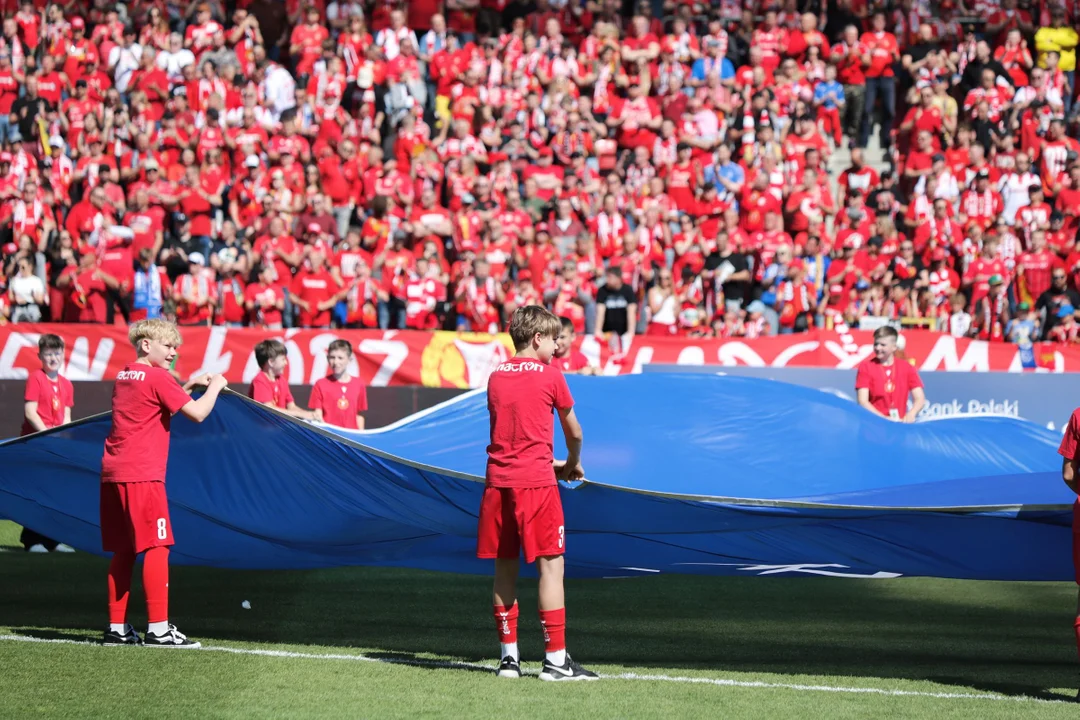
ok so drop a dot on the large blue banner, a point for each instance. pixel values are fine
(687, 473)
(1046, 399)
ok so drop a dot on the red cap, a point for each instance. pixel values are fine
(314, 228)
(498, 157)
(542, 227)
(78, 22)
(546, 151)
(937, 254)
(797, 264)
(10, 249)
(93, 138)
(524, 275)
(5, 157)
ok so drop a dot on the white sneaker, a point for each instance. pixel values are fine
(62, 547)
(37, 548)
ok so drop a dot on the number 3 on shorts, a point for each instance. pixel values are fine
(562, 536)
(163, 530)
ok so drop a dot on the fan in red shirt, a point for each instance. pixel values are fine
(339, 398)
(306, 42)
(270, 386)
(521, 509)
(884, 382)
(134, 506)
(315, 292)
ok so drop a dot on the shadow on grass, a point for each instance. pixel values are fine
(1005, 688)
(1009, 638)
(71, 635)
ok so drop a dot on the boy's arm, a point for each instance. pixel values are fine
(1069, 474)
(359, 421)
(31, 414)
(67, 415)
(571, 469)
(199, 410)
(298, 412)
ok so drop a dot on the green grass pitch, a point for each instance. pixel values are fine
(377, 643)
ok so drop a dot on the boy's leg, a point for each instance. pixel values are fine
(553, 607)
(506, 607)
(123, 562)
(156, 587)
(497, 539)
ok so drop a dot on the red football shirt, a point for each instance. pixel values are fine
(889, 386)
(339, 402)
(1068, 448)
(573, 362)
(522, 396)
(273, 392)
(143, 402)
(51, 396)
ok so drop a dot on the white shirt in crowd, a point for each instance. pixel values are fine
(1014, 191)
(124, 61)
(347, 9)
(27, 290)
(173, 63)
(279, 88)
(391, 40)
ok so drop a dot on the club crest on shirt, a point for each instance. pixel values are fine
(343, 403)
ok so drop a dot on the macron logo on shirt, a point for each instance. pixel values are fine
(520, 367)
(131, 375)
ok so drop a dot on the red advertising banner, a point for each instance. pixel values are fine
(463, 360)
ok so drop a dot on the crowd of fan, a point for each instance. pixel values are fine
(660, 168)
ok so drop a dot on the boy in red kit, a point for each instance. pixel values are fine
(48, 401)
(567, 359)
(134, 508)
(1070, 452)
(884, 381)
(270, 386)
(521, 509)
(339, 398)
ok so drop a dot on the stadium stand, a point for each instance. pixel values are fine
(745, 169)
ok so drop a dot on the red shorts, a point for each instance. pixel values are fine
(134, 516)
(516, 519)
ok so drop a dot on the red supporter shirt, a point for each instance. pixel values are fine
(144, 400)
(1067, 450)
(889, 386)
(51, 396)
(339, 402)
(271, 392)
(522, 397)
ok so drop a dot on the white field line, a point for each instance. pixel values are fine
(452, 665)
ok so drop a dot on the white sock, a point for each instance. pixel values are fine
(511, 650)
(119, 628)
(557, 657)
(158, 628)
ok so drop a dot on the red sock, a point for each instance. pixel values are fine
(155, 575)
(506, 623)
(1076, 628)
(554, 624)
(120, 585)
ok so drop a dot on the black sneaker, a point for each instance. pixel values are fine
(509, 668)
(569, 670)
(115, 639)
(171, 639)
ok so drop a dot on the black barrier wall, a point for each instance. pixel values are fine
(385, 404)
